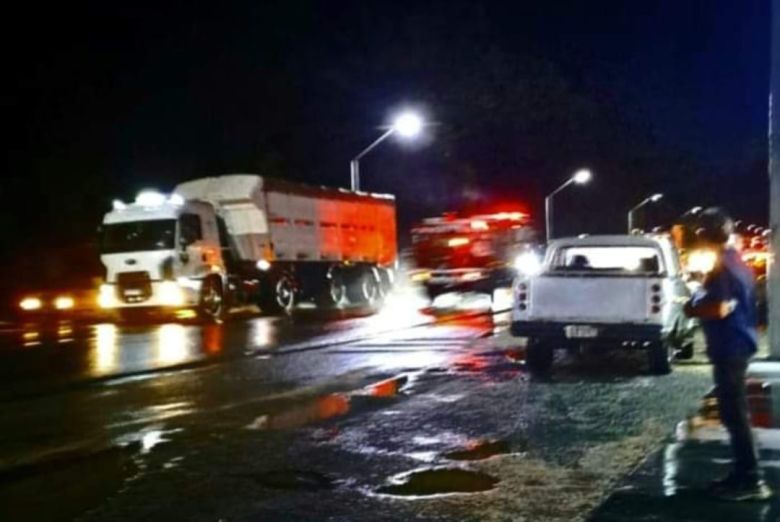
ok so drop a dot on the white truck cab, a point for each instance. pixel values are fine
(157, 251)
(623, 291)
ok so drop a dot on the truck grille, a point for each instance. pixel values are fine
(134, 287)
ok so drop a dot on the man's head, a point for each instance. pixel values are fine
(714, 226)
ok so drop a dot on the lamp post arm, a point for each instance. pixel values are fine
(563, 186)
(376, 142)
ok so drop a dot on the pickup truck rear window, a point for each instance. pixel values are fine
(621, 259)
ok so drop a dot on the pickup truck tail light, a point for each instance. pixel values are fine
(522, 297)
(656, 298)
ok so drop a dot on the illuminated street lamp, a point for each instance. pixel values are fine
(580, 177)
(408, 125)
(650, 199)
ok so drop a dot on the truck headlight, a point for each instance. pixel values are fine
(528, 263)
(64, 302)
(106, 296)
(30, 304)
(171, 294)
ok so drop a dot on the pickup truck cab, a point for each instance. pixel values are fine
(613, 291)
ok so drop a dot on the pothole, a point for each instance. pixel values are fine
(293, 479)
(439, 481)
(481, 450)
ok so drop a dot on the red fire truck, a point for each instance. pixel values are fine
(477, 253)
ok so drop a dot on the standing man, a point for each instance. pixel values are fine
(726, 307)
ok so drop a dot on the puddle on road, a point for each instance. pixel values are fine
(481, 450)
(438, 481)
(329, 406)
(293, 479)
(47, 491)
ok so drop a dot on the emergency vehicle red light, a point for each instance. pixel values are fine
(457, 241)
(478, 224)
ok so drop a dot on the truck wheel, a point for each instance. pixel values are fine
(212, 304)
(386, 279)
(364, 288)
(660, 358)
(333, 292)
(279, 297)
(539, 357)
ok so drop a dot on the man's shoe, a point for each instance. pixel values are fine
(746, 491)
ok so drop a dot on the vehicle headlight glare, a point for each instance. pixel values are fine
(64, 302)
(171, 294)
(29, 304)
(106, 297)
(528, 263)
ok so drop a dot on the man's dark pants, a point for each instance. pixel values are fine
(729, 377)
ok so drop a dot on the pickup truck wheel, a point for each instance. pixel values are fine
(539, 357)
(660, 356)
(686, 351)
(212, 305)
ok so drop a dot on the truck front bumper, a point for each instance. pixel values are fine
(439, 282)
(605, 333)
(161, 294)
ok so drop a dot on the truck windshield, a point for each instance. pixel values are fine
(137, 236)
(626, 259)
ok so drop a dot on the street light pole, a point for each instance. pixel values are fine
(773, 279)
(650, 199)
(407, 125)
(580, 177)
(354, 165)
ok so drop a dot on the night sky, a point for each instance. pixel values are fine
(100, 100)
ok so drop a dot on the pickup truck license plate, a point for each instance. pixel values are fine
(578, 331)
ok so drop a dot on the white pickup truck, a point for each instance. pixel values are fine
(620, 291)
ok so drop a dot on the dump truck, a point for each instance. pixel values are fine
(238, 239)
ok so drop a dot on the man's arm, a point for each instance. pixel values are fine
(714, 300)
(708, 310)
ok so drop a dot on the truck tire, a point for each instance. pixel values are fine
(539, 357)
(659, 355)
(363, 287)
(279, 295)
(333, 292)
(211, 306)
(386, 280)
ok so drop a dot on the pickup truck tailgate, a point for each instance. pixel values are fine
(584, 299)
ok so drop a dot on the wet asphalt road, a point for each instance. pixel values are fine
(312, 417)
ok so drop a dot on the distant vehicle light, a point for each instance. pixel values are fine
(30, 304)
(149, 198)
(511, 216)
(471, 276)
(478, 224)
(528, 263)
(171, 294)
(118, 204)
(264, 265)
(420, 276)
(106, 296)
(458, 241)
(701, 261)
(64, 302)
